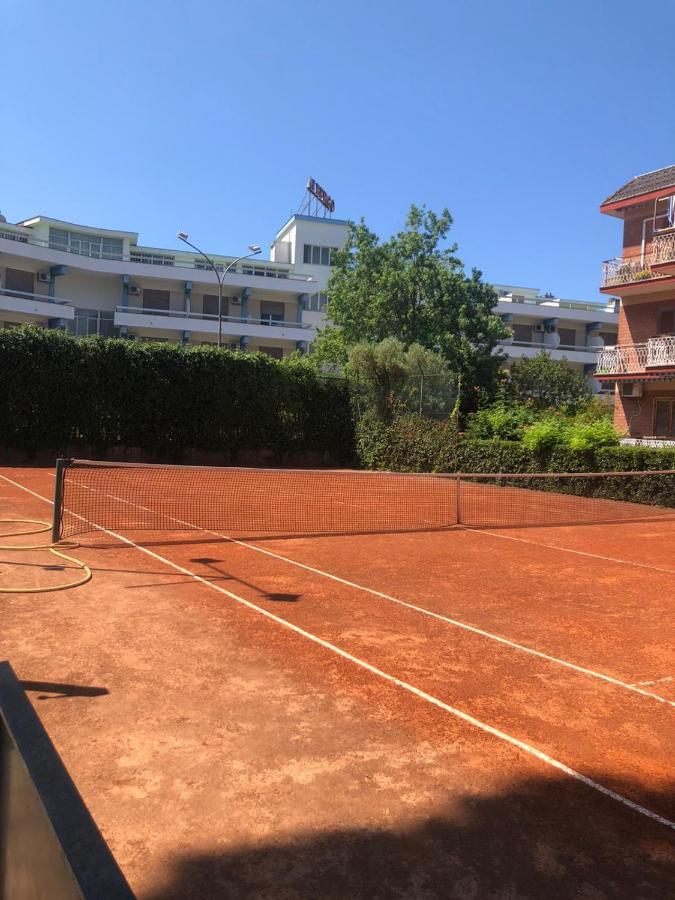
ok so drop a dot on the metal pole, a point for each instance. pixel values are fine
(458, 504)
(220, 278)
(58, 500)
(220, 307)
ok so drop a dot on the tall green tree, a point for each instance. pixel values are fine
(414, 287)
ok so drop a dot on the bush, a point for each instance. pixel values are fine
(421, 445)
(504, 421)
(577, 433)
(544, 435)
(584, 436)
(57, 392)
(408, 444)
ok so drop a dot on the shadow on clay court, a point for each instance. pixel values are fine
(210, 563)
(538, 838)
(58, 690)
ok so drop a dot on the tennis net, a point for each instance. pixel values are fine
(274, 502)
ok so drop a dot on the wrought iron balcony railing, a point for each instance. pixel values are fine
(629, 269)
(633, 359)
(663, 248)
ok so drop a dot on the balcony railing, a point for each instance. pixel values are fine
(139, 256)
(629, 269)
(210, 317)
(634, 359)
(664, 248)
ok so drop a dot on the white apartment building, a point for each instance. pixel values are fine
(573, 330)
(92, 280)
(99, 281)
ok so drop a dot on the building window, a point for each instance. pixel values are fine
(158, 300)
(666, 322)
(664, 418)
(314, 255)
(85, 244)
(92, 321)
(317, 302)
(567, 336)
(271, 313)
(210, 305)
(609, 338)
(274, 352)
(522, 334)
(152, 259)
(18, 280)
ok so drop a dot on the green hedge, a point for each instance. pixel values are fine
(411, 444)
(58, 393)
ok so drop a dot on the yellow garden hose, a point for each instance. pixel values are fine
(44, 526)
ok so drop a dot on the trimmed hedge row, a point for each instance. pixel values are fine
(57, 392)
(412, 444)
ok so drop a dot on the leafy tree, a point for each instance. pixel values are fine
(390, 379)
(412, 288)
(547, 383)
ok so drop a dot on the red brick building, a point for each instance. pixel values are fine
(643, 362)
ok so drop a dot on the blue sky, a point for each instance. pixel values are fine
(520, 116)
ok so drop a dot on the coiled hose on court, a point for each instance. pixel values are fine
(53, 548)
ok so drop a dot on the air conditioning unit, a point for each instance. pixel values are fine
(540, 327)
(43, 277)
(135, 291)
(235, 301)
(631, 389)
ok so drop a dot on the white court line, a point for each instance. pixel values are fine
(634, 688)
(623, 562)
(657, 680)
(392, 679)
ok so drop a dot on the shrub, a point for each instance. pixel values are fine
(57, 392)
(545, 435)
(584, 436)
(504, 421)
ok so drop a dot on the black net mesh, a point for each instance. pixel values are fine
(127, 497)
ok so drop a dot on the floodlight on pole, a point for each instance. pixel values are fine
(255, 249)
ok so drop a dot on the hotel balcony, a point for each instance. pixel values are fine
(38, 306)
(664, 253)
(647, 273)
(202, 323)
(153, 263)
(652, 357)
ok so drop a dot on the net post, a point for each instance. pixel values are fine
(61, 465)
(458, 504)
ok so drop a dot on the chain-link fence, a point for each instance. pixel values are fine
(430, 396)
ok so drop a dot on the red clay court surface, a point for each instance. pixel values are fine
(462, 713)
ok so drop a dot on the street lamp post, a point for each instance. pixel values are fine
(255, 250)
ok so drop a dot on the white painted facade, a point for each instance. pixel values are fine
(572, 330)
(93, 280)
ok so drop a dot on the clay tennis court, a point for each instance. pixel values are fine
(399, 707)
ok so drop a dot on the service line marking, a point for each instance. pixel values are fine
(385, 676)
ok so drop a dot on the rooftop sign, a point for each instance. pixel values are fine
(322, 196)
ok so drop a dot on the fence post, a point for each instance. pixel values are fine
(458, 504)
(58, 500)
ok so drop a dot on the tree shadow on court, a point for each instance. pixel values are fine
(539, 838)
